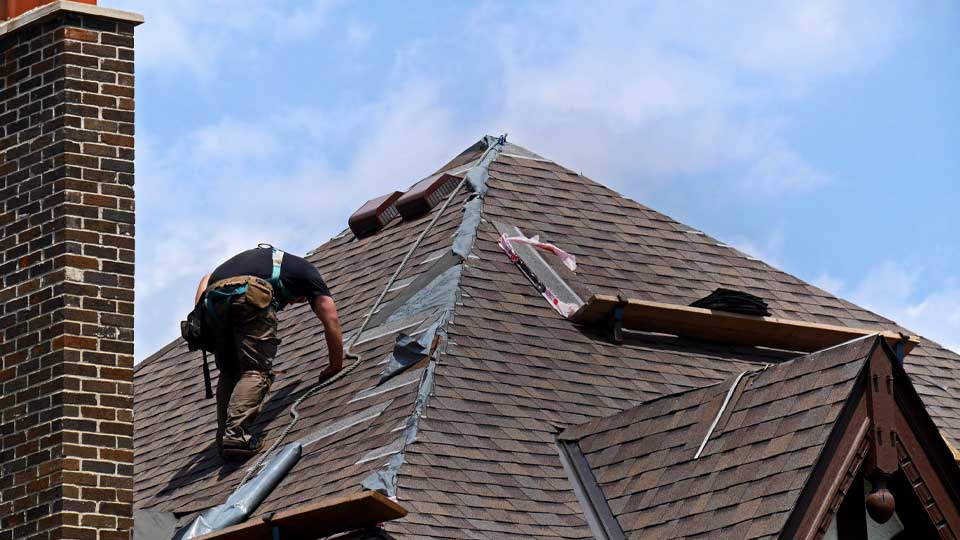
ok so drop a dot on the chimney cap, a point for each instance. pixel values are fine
(10, 9)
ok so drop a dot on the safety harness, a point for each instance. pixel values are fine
(281, 297)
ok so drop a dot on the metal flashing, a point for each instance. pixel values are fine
(430, 290)
(242, 503)
(153, 525)
(723, 407)
(408, 351)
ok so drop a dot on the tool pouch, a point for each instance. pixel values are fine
(199, 336)
(194, 331)
(259, 293)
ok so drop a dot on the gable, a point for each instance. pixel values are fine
(888, 439)
(782, 452)
(727, 461)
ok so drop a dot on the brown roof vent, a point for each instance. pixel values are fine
(374, 215)
(426, 194)
(14, 8)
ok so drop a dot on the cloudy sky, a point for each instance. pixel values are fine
(820, 136)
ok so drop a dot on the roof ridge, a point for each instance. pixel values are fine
(385, 478)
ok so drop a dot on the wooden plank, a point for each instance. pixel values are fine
(323, 518)
(725, 327)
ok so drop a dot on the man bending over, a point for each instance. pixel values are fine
(241, 299)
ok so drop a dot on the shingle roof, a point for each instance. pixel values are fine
(512, 373)
(751, 471)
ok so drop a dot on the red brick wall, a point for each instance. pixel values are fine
(66, 279)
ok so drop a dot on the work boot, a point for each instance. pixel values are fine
(239, 448)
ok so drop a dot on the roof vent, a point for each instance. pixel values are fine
(426, 194)
(374, 215)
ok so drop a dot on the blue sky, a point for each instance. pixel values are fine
(819, 136)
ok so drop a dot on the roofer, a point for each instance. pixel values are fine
(241, 299)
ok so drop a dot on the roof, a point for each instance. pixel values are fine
(758, 457)
(469, 436)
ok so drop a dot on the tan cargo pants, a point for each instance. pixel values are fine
(246, 335)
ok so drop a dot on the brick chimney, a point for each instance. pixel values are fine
(66, 273)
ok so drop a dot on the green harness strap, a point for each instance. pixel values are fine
(221, 294)
(280, 294)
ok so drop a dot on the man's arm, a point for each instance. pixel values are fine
(201, 287)
(326, 311)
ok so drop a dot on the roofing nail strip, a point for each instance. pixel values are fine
(397, 382)
(393, 448)
(345, 423)
(387, 329)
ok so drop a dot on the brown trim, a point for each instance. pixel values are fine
(882, 460)
(323, 518)
(926, 480)
(850, 502)
(840, 493)
(842, 449)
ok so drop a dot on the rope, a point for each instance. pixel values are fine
(348, 351)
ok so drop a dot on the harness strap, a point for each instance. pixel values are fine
(219, 294)
(280, 297)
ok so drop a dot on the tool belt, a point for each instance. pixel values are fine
(257, 292)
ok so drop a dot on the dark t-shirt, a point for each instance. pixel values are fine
(299, 277)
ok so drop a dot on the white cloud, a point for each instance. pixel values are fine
(663, 90)
(829, 283)
(359, 34)
(768, 249)
(193, 36)
(233, 184)
(896, 291)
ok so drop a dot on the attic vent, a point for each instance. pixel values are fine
(734, 302)
(374, 215)
(426, 194)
